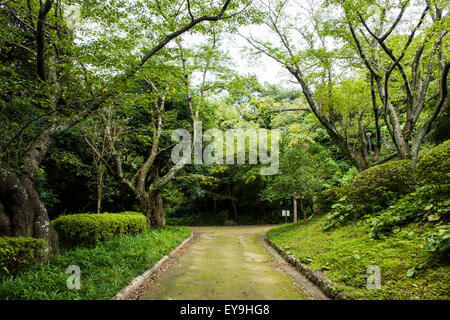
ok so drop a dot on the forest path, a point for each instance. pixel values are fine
(225, 263)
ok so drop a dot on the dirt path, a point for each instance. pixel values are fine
(225, 263)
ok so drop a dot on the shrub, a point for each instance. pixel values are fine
(105, 269)
(422, 205)
(19, 252)
(341, 213)
(327, 198)
(372, 191)
(90, 229)
(375, 188)
(434, 167)
(438, 241)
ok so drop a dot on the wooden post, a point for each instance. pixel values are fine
(295, 208)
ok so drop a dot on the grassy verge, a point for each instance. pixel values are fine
(345, 253)
(105, 269)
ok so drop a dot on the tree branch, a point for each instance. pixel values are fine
(40, 37)
(180, 31)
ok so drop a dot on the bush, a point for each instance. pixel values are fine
(438, 241)
(105, 269)
(327, 198)
(90, 229)
(18, 253)
(434, 167)
(375, 188)
(424, 205)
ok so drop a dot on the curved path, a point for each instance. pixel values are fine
(226, 263)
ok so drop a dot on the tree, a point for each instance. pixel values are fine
(305, 50)
(414, 63)
(304, 166)
(146, 178)
(49, 81)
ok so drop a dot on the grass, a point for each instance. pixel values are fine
(105, 269)
(345, 253)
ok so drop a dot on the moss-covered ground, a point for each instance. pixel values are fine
(345, 253)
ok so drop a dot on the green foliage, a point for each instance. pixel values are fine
(341, 213)
(372, 191)
(438, 241)
(90, 229)
(305, 166)
(343, 254)
(105, 269)
(375, 188)
(221, 219)
(434, 167)
(422, 205)
(327, 198)
(17, 253)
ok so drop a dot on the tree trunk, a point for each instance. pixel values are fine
(295, 209)
(99, 191)
(22, 212)
(233, 204)
(303, 210)
(5, 223)
(151, 206)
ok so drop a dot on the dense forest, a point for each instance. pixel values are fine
(91, 93)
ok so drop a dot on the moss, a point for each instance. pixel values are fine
(376, 187)
(434, 167)
(225, 263)
(345, 253)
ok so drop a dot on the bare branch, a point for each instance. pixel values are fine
(189, 10)
(292, 109)
(40, 36)
(98, 155)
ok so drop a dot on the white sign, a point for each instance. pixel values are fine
(285, 213)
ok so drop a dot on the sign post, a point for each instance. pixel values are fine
(285, 214)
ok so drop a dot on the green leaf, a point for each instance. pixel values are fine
(410, 273)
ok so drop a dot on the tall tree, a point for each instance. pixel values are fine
(318, 64)
(62, 89)
(415, 63)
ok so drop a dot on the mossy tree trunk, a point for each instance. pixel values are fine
(22, 212)
(151, 206)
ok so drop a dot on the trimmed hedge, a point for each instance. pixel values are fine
(19, 252)
(434, 167)
(327, 198)
(89, 229)
(375, 188)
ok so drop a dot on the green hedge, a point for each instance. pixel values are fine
(19, 252)
(434, 167)
(375, 188)
(90, 229)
